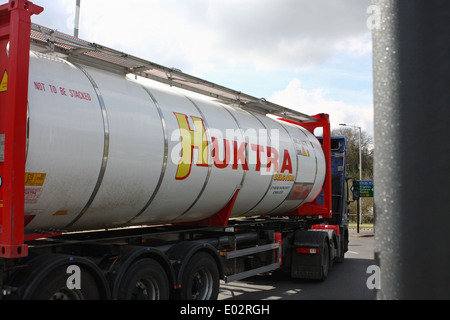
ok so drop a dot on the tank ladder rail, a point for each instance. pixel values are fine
(48, 41)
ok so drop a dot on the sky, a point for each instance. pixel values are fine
(313, 56)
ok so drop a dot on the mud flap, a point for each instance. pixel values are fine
(311, 255)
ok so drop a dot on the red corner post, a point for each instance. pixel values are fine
(15, 28)
(314, 208)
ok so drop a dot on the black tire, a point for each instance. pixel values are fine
(200, 279)
(53, 286)
(332, 252)
(145, 279)
(344, 248)
(325, 264)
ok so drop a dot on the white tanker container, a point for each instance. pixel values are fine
(104, 150)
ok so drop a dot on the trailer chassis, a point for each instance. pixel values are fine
(108, 259)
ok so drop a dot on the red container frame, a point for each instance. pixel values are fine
(15, 29)
(314, 208)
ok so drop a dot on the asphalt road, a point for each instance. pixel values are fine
(347, 280)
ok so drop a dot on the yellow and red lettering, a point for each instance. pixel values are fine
(272, 158)
(191, 139)
(287, 162)
(217, 162)
(239, 155)
(196, 138)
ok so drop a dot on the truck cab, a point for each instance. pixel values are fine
(339, 187)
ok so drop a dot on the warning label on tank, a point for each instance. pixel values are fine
(300, 191)
(32, 195)
(279, 190)
(4, 82)
(34, 179)
(61, 213)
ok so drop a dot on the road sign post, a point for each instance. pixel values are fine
(361, 189)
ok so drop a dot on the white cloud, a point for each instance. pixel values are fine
(316, 101)
(251, 45)
(356, 45)
(203, 34)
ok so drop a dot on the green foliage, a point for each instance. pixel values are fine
(353, 152)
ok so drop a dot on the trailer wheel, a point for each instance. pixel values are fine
(58, 277)
(343, 249)
(325, 261)
(200, 279)
(307, 264)
(54, 286)
(145, 280)
(53, 277)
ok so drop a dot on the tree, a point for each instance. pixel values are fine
(353, 152)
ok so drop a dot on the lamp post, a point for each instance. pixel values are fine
(360, 158)
(77, 19)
